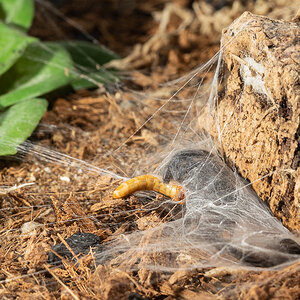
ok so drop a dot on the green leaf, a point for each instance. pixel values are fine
(93, 79)
(12, 44)
(17, 12)
(18, 122)
(88, 54)
(43, 68)
(88, 59)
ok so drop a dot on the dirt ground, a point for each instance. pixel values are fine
(94, 127)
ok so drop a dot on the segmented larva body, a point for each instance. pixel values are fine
(148, 182)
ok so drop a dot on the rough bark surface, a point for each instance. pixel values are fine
(259, 108)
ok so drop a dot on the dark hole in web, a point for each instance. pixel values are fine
(203, 172)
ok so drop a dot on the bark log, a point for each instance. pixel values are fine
(258, 110)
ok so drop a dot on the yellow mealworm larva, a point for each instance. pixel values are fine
(148, 182)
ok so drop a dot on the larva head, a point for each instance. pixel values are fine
(179, 196)
(120, 191)
(116, 194)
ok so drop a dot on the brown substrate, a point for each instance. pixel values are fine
(84, 203)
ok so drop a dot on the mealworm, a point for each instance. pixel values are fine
(149, 182)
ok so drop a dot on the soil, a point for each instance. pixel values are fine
(94, 127)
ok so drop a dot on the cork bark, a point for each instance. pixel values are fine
(258, 124)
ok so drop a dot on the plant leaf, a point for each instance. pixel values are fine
(18, 122)
(88, 59)
(88, 54)
(12, 44)
(93, 80)
(43, 68)
(17, 12)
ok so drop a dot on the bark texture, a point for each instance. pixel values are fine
(258, 110)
